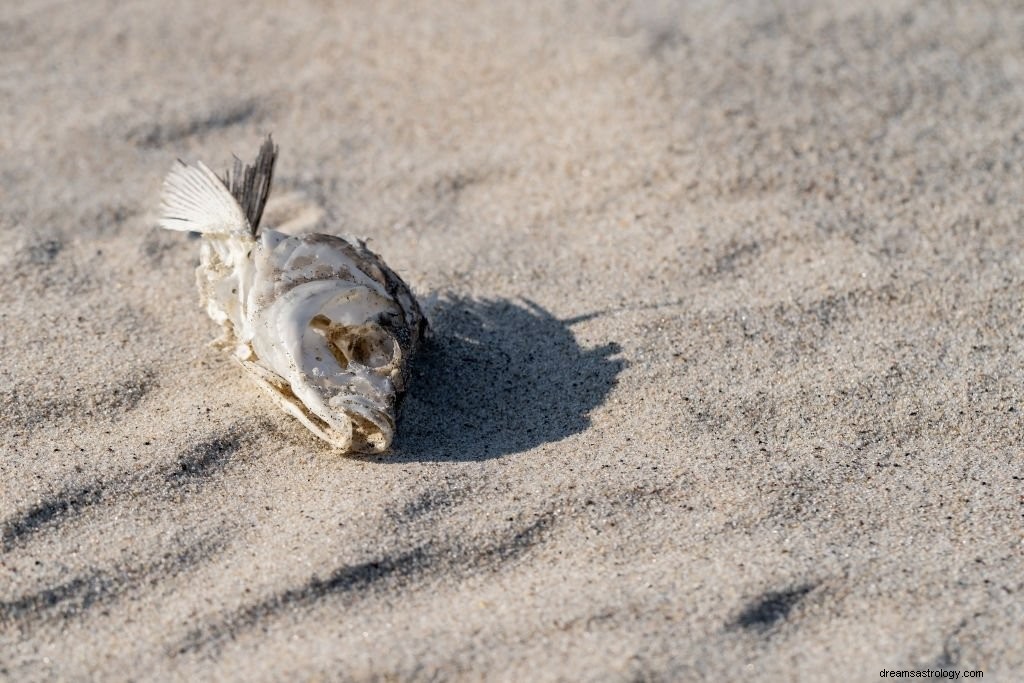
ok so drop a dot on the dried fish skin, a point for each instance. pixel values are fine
(341, 338)
(320, 322)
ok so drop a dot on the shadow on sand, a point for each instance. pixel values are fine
(500, 378)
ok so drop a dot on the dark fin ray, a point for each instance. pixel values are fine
(250, 185)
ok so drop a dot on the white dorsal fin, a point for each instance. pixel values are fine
(196, 199)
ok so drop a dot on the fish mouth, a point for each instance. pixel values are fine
(372, 425)
(356, 424)
(361, 430)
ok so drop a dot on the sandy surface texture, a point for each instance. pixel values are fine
(727, 370)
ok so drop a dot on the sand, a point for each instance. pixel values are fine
(726, 377)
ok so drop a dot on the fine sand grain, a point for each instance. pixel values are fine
(727, 374)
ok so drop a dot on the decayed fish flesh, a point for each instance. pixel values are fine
(320, 322)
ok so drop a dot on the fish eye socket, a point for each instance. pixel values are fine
(366, 345)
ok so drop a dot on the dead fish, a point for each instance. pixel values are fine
(320, 322)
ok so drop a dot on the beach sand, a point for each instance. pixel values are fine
(727, 369)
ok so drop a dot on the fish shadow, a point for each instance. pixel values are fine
(498, 378)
